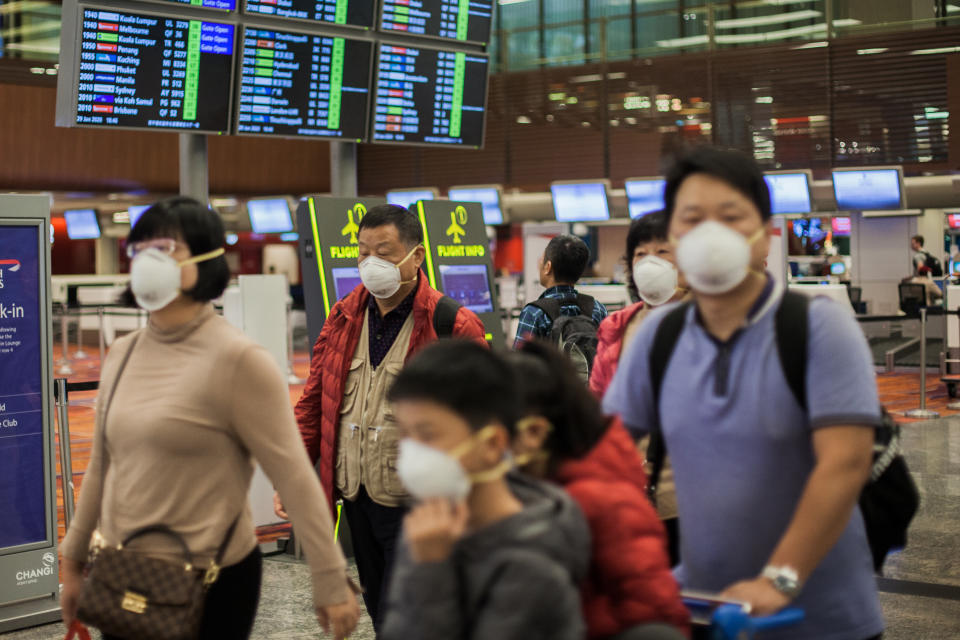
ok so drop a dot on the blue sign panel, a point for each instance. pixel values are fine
(22, 479)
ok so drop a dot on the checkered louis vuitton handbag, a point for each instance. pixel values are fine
(130, 595)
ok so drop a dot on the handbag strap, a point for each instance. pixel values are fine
(77, 631)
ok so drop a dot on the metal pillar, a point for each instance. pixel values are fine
(80, 354)
(66, 459)
(343, 169)
(194, 174)
(922, 412)
(292, 377)
(103, 344)
(64, 369)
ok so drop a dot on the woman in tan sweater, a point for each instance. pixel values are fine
(196, 403)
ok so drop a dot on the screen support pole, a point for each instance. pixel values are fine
(194, 174)
(343, 169)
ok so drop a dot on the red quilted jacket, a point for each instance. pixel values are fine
(630, 582)
(318, 409)
(609, 345)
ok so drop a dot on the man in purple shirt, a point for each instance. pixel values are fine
(767, 491)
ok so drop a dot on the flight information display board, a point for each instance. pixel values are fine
(429, 96)
(297, 84)
(221, 5)
(351, 13)
(138, 70)
(464, 20)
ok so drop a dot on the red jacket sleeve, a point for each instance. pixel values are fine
(604, 366)
(630, 562)
(309, 409)
(468, 325)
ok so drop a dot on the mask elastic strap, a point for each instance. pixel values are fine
(462, 448)
(407, 257)
(203, 257)
(495, 473)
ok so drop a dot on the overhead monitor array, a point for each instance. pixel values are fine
(580, 201)
(412, 73)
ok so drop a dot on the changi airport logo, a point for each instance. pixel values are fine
(457, 217)
(352, 228)
(26, 577)
(8, 265)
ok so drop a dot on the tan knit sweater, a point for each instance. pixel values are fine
(194, 407)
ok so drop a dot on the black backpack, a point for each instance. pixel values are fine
(931, 262)
(890, 498)
(575, 336)
(445, 316)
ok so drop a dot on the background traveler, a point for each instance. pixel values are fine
(483, 555)
(196, 402)
(345, 420)
(766, 491)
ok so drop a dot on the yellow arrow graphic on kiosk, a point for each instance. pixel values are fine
(455, 230)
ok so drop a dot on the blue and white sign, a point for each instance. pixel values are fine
(22, 469)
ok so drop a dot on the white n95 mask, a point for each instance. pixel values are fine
(427, 472)
(656, 280)
(155, 276)
(381, 277)
(715, 258)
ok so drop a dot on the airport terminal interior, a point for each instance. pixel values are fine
(499, 124)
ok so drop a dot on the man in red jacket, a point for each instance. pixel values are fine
(344, 417)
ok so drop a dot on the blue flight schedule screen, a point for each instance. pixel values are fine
(580, 202)
(867, 190)
(22, 500)
(789, 192)
(644, 196)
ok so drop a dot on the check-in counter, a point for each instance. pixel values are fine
(836, 292)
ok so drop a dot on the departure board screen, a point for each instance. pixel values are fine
(222, 5)
(152, 72)
(355, 13)
(295, 84)
(466, 20)
(429, 96)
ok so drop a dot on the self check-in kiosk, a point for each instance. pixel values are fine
(458, 259)
(328, 252)
(29, 574)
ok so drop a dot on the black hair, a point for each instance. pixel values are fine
(737, 169)
(569, 256)
(200, 228)
(550, 387)
(919, 239)
(649, 228)
(407, 224)
(464, 377)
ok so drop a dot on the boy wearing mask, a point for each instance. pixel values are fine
(483, 555)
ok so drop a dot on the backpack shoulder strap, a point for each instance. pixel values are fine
(664, 342)
(790, 324)
(549, 306)
(586, 304)
(445, 316)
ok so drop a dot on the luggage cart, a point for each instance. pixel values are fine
(717, 618)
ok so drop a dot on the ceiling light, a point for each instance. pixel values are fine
(779, 18)
(927, 52)
(870, 52)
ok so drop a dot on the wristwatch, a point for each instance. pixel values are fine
(784, 579)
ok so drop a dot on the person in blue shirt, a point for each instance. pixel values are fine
(766, 491)
(561, 266)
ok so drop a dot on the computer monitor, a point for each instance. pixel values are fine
(409, 197)
(469, 285)
(487, 195)
(868, 189)
(136, 212)
(82, 224)
(789, 191)
(345, 280)
(580, 201)
(953, 220)
(271, 215)
(644, 195)
(840, 226)
(838, 269)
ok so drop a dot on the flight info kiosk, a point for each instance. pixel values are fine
(29, 580)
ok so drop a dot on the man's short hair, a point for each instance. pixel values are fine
(407, 224)
(919, 239)
(569, 256)
(737, 169)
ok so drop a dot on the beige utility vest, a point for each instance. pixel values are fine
(367, 440)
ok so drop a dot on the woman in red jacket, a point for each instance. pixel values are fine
(630, 592)
(652, 277)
